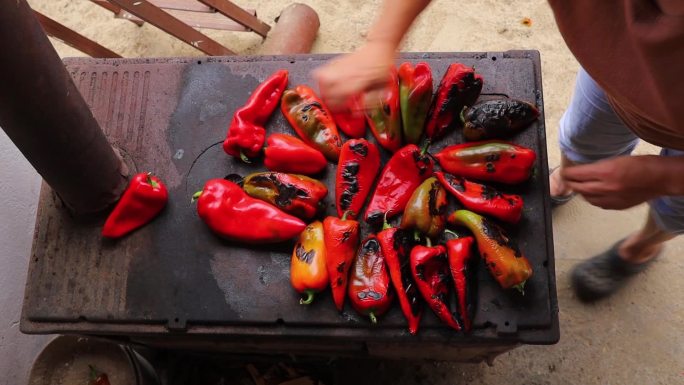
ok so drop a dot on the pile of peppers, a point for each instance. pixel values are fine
(420, 261)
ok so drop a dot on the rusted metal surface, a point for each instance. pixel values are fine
(171, 25)
(74, 39)
(294, 33)
(239, 15)
(173, 279)
(46, 117)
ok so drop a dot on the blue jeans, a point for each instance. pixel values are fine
(590, 131)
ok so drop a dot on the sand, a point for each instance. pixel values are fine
(633, 338)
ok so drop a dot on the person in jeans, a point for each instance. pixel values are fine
(630, 87)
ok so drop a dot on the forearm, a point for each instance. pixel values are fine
(671, 174)
(394, 21)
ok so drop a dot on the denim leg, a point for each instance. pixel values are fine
(668, 211)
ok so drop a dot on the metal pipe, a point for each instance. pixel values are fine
(46, 117)
(294, 32)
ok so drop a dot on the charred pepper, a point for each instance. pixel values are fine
(341, 243)
(369, 284)
(351, 119)
(285, 153)
(312, 121)
(415, 95)
(483, 199)
(459, 87)
(396, 245)
(308, 273)
(383, 113)
(232, 214)
(144, 199)
(97, 377)
(356, 171)
(502, 256)
(459, 253)
(246, 132)
(494, 161)
(402, 174)
(497, 118)
(426, 210)
(430, 270)
(298, 195)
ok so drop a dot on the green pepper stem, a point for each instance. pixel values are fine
(425, 147)
(428, 242)
(385, 224)
(520, 287)
(456, 236)
(195, 196)
(93, 373)
(151, 181)
(346, 213)
(244, 157)
(373, 319)
(461, 114)
(309, 298)
(416, 235)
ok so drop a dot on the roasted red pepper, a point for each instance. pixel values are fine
(298, 195)
(402, 174)
(143, 199)
(369, 284)
(341, 243)
(97, 377)
(356, 171)
(502, 256)
(232, 214)
(426, 209)
(396, 245)
(285, 153)
(483, 199)
(459, 252)
(415, 95)
(246, 132)
(308, 273)
(430, 270)
(383, 113)
(351, 119)
(494, 161)
(497, 118)
(312, 121)
(459, 87)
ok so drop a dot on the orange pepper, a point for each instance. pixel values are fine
(308, 271)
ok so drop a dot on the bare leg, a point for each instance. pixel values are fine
(645, 244)
(556, 183)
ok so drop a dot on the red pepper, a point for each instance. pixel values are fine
(459, 87)
(298, 195)
(285, 153)
(459, 252)
(356, 171)
(341, 243)
(415, 94)
(497, 118)
(246, 133)
(430, 270)
(383, 113)
(232, 214)
(144, 198)
(351, 119)
(311, 119)
(369, 284)
(308, 273)
(97, 377)
(396, 245)
(403, 173)
(503, 258)
(494, 161)
(483, 199)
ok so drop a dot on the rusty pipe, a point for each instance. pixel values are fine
(46, 117)
(294, 32)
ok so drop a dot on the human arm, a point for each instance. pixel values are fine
(367, 68)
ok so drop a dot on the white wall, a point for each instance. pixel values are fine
(19, 188)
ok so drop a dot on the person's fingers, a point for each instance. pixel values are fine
(581, 173)
(591, 188)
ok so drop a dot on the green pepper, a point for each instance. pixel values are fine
(426, 209)
(415, 95)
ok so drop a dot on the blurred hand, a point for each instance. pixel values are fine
(364, 70)
(621, 182)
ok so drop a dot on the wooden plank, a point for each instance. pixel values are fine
(74, 39)
(173, 26)
(182, 5)
(238, 14)
(197, 19)
(116, 10)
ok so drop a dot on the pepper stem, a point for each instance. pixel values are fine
(346, 213)
(385, 224)
(428, 242)
(456, 236)
(520, 287)
(244, 157)
(309, 298)
(93, 373)
(373, 318)
(195, 196)
(416, 235)
(461, 114)
(425, 147)
(151, 181)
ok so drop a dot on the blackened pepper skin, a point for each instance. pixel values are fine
(356, 171)
(497, 118)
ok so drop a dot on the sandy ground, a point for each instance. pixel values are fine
(633, 338)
